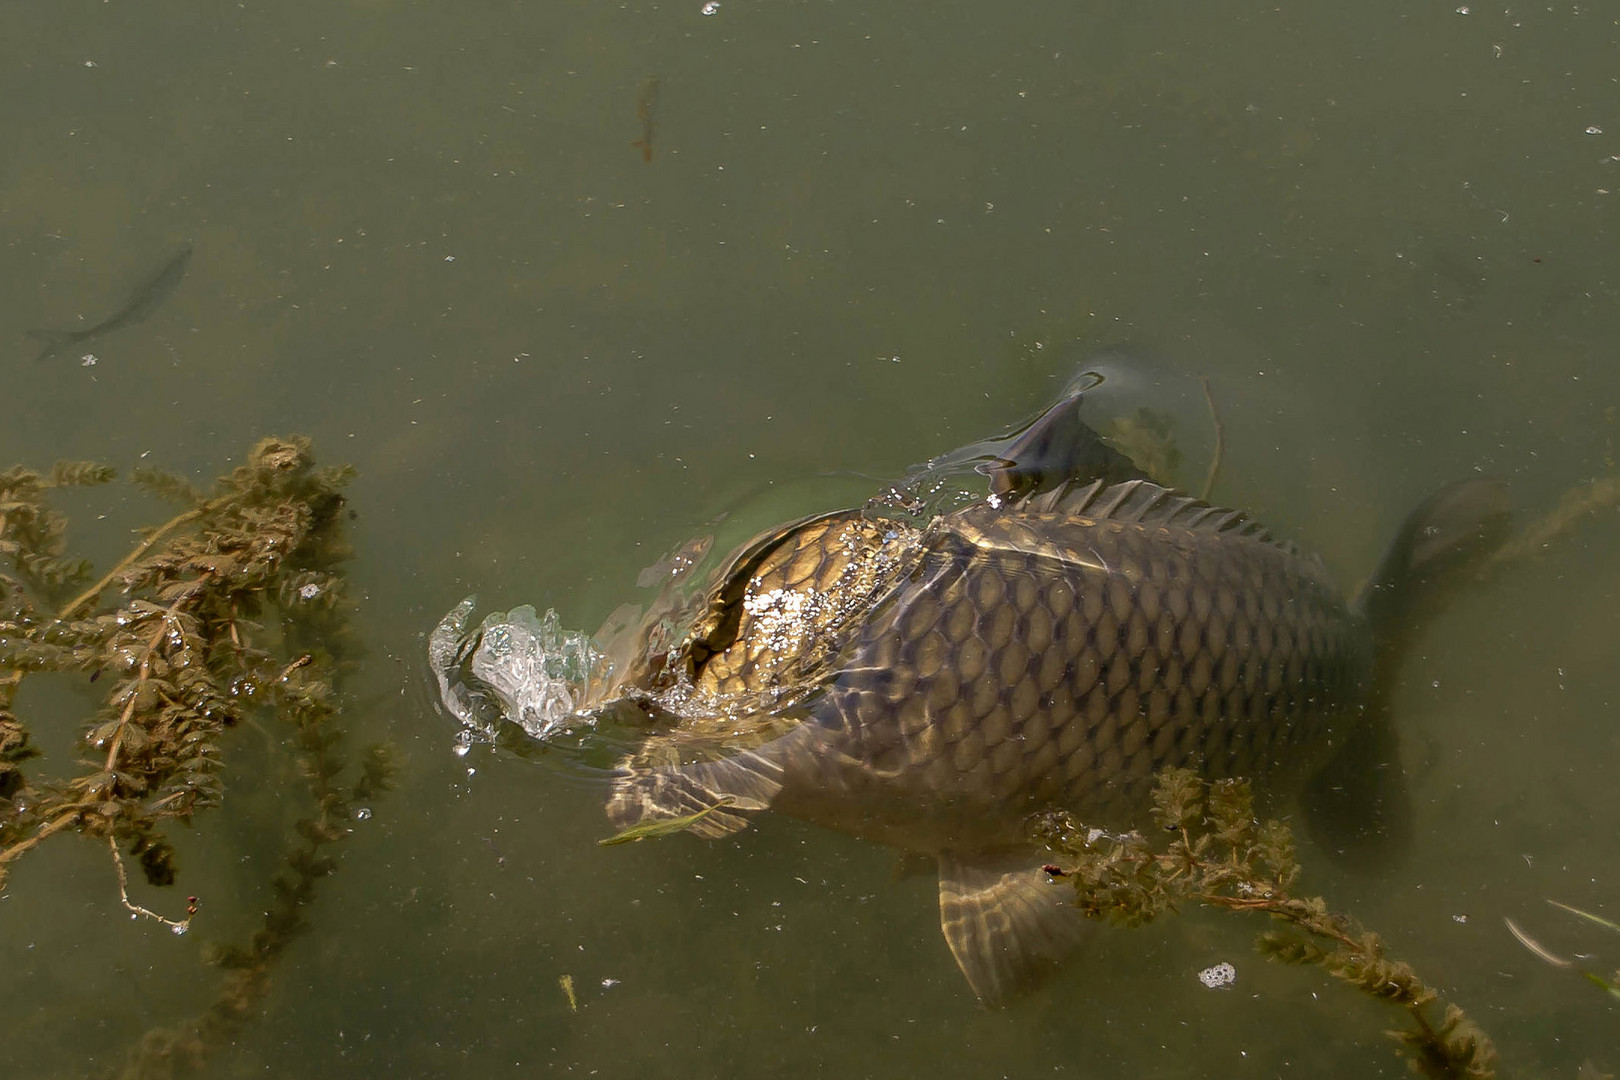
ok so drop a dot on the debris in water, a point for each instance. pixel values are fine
(567, 984)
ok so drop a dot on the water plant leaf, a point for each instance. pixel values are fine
(1588, 916)
(1614, 990)
(168, 487)
(81, 474)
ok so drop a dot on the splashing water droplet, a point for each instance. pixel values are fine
(517, 665)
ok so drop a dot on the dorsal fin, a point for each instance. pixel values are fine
(1141, 502)
(1056, 448)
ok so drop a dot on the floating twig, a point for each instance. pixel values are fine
(1587, 915)
(1220, 440)
(1541, 952)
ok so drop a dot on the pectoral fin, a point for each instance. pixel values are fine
(647, 830)
(711, 795)
(1007, 928)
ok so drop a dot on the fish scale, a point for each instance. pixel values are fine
(1069, 658)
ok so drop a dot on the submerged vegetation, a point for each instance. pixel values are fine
(1217, 854)
(234, 609)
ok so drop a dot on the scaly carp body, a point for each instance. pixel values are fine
(940, 684)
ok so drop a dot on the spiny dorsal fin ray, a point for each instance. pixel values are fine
(1140, 502)
(1007, 927)
(1056, 448)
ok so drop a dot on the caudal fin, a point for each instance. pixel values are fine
(1358, 807)
(1440, 544)
(55, 341)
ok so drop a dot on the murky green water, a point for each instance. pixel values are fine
(423, 237)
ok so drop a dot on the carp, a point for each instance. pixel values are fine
(937, 678)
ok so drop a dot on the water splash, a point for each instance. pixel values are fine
(517, 665)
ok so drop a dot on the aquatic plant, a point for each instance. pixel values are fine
(1216, 853)
(235, 607)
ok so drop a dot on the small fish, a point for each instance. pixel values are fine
(142, 303)
(646, 103)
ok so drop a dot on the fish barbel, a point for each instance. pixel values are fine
(937, 684)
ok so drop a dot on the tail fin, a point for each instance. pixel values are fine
(55, 341)
(1357, 806)
(1448, 537)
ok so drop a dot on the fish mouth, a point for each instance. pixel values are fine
(515, 666)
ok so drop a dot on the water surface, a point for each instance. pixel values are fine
(867, 234)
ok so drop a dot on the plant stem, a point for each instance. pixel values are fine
(55, 826)
(128, 560)
(146, 670)
(1220, 440)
